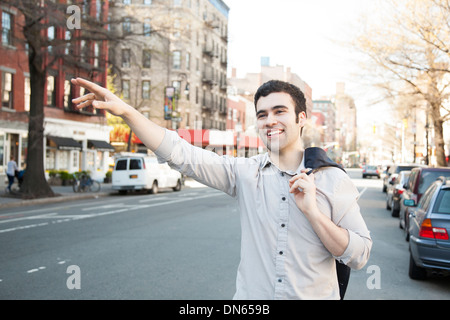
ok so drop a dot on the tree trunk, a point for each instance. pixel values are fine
(438, 136)
(34, 183)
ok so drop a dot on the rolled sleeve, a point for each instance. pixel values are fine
(357, 252)
(347, 215)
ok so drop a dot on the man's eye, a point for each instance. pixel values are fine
(260, 116)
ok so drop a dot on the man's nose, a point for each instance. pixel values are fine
(271, 120)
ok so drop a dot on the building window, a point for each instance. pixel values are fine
(147, 29)
(68, 37)
(188, 61)
(27, 94)
(176, 29)
(177, 3)
(146, 59)
(67, 94)
(176, 60)
(96, 54)
(98, 8)
(7, 90)
(126, 1)
(51, 97)
(7, 23)
(51, 37)
(126, 58)
(147, 2)
(126, 89)
(145, 89)
(126, 26)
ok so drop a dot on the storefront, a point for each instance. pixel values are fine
(74, 146)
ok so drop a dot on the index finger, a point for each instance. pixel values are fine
(92, 87)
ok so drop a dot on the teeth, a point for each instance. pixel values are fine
(270, 133)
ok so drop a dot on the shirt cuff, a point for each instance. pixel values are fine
(355, 254)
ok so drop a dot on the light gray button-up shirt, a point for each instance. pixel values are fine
(281, 255)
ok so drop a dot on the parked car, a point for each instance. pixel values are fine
(419, 181)
(396, 168)
(429, 231)
(142, 172)
(370, 171)
(395, 190)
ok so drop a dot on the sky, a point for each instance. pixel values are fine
(301, 34)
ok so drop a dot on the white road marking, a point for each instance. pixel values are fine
(65, 218)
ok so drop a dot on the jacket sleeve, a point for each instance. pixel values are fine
(347, 215)
(204, 166)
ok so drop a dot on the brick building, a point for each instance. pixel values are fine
(74, 140)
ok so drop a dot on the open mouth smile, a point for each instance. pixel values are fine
(274, 132)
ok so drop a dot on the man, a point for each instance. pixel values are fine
(293, 224)
(11, 170)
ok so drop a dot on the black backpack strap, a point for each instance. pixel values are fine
(316, 158)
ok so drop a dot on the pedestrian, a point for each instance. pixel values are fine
(294, 224)
(11, 170)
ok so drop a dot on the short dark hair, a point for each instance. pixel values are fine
(281, 86)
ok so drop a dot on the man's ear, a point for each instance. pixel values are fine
(302, 118)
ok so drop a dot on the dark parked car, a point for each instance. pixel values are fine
(370, 171)
(396, 168)
(395, 190)
(429, 231)
(419, 181)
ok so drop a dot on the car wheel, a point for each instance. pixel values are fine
(154, 189)
(415, 272)
(178, 186)
(394, 212)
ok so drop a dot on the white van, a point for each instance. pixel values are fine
(143, 172)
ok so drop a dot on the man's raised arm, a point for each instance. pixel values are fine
(101, 98)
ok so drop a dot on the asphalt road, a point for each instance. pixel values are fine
(173, 245)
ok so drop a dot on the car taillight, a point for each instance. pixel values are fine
(428, 231)
(400, 191)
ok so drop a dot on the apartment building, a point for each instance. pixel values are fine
(173, 67)
(74, 140)
(324, 117)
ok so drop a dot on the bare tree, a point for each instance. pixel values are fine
(408, 53)
(74, 49)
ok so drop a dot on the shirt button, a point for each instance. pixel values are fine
(281, 252)
(283, 225)
(279, 280)
(283, 198)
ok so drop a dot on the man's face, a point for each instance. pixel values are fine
(276, 121)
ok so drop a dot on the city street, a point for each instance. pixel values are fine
(172, 245)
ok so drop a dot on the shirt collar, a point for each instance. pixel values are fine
(265, 162)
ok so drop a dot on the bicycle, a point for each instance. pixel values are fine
(84, 183)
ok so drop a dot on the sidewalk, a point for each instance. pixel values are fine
(66, 194)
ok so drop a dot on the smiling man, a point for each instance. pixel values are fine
(294, 225)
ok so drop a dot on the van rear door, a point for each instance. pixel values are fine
(129, 174)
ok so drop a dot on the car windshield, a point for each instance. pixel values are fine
(428, 177)
(442, 204)
(371, 168)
